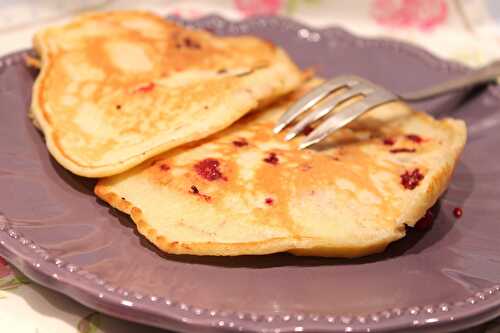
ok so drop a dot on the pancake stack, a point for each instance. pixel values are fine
(162, 115)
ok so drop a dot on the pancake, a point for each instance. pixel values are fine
(245, 191)
(118, 88)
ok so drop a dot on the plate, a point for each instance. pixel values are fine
(54, 230)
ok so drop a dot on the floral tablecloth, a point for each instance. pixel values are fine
(463, 30)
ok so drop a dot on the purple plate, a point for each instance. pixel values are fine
(55, 231)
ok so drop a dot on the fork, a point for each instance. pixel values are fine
(372, 95)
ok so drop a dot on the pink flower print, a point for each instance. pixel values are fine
(421, 14)
(258, 7)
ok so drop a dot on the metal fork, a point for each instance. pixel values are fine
(372, 96)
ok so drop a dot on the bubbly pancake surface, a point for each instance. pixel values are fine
(247, 191)
(118, 88)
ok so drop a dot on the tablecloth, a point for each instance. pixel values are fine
(467, 31)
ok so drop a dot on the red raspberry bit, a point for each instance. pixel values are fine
(194, 190)
(269, 201)
(307, 130)
(164, 167)
(415, 138)
(410, 180)
(403, 150)
(458, 212)
(209, 169)
(425, 223)
(240, 142)
(272, 159)
(146, 88)
(389, 141)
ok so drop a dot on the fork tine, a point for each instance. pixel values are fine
(344, 117)
(310, 99)
(326, 106)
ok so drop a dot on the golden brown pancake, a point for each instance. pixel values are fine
(118, 88)
(246, 191)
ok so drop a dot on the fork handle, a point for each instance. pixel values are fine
(483, 75)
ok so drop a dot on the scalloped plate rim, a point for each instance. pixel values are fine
(89, 293)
